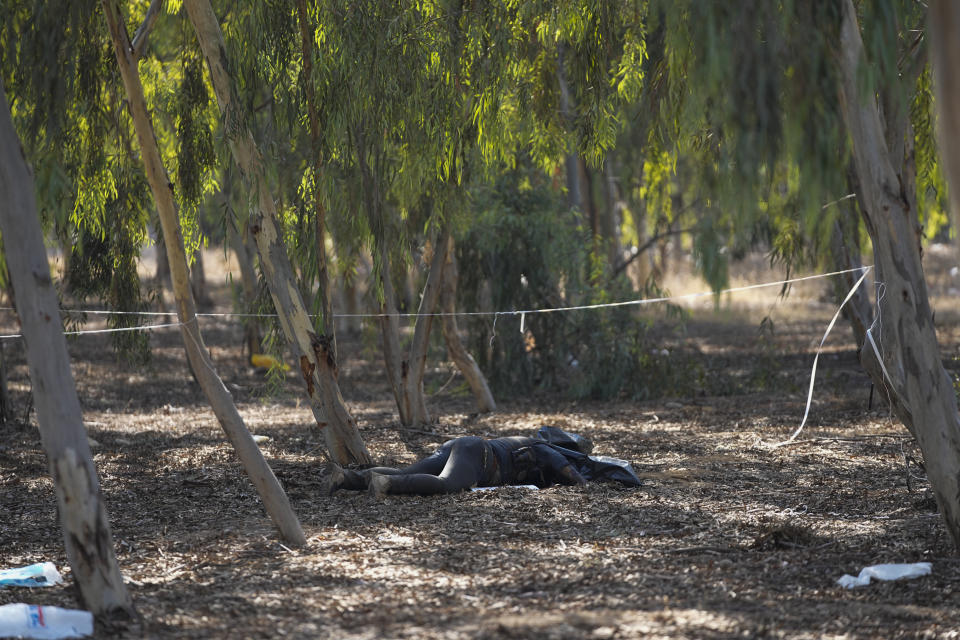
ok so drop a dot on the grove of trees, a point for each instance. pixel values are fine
(450, 156)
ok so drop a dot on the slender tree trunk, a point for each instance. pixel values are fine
(274, 499)
(405, 371)
(413, 384)
(845, 248)
(314, 353)
(846, 256)
(612, 215)
(397, 367)
(919, 388)
(162, 274)
(83, 515)
(6, 410)
(248, 282)
(571, 160)
(944, 21)
(198, 281)
(320, 223)
(451, 334)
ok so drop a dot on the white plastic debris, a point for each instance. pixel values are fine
(41, 574)
(49, 623)
(532, 487)
(885, 572)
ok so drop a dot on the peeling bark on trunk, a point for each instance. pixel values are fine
(451, 334)
(921, 391)
(274, 499)
(83, 516)
(313, 353)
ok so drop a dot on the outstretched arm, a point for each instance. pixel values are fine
(556, 465)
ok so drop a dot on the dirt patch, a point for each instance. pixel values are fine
(726, 537)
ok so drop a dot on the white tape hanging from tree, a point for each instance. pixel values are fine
(878, 321)
(816, 358)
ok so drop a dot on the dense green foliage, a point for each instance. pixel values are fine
(720, 120)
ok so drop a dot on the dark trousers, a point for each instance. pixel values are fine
(459, 464)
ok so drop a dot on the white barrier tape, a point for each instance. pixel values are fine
(876, 352)
(521, 312)
(495, 314)
(813, 373)
(85, 332)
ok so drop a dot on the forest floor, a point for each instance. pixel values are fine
(726, 538)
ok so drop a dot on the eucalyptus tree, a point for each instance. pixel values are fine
(909, 366)
(275, 500)
(65, 105)
(51, 67)
(313, 353)
(392, 90)
(944, 24)
(83, 515)
(791, 95)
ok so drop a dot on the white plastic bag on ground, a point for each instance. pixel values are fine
(41, 574)
(44, 623)
(885, 572)
(531, 487)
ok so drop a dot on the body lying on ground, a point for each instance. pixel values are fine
(553, 456)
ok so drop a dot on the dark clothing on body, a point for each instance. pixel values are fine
(467, 462)
(554, 457)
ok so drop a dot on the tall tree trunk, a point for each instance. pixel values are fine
(846, 256)
(405, 371)
(417, 355)
(198, 281)
(314, 353)
(245, 254)
(845, 249)
(274, 499)
(162, 274)
(944, 21)
(6, 409)
(83, 515)
(611, 218)
(571, 160)
(397, 367)
(320, 223)
(451, 334)
(919, 388)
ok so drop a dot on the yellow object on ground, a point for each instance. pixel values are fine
(264, 361)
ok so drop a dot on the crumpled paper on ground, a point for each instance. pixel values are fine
(885, 572)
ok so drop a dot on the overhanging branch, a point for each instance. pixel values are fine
(646, 245)
(140, 37)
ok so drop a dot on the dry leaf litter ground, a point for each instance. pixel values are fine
(726, 538)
